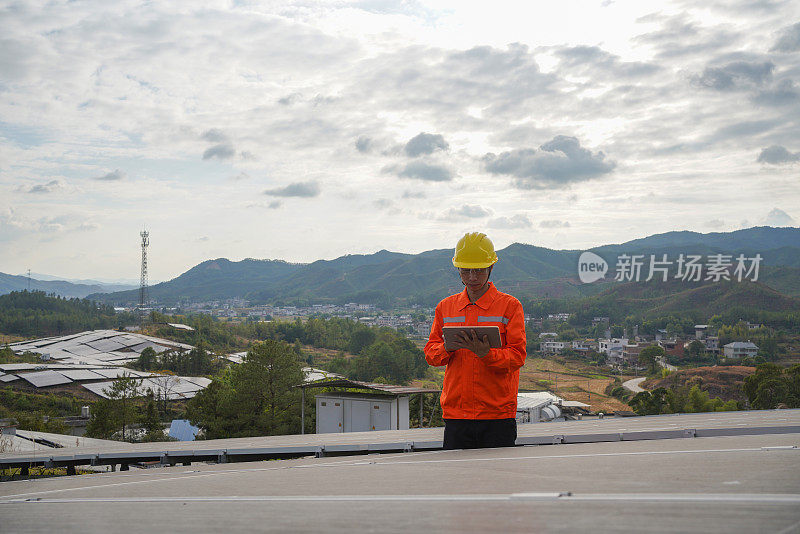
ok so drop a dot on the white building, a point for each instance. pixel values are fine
(553, 346)
(712, 344)
(700, 331)
(604, 346)
(740, 349)
(585, 345)
(354, 412)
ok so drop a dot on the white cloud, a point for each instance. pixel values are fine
(777, 155)
(467, 211)
(599, 120)
(558, 162)
(421, 170)
(425, 143)
(554, 223)
(222, 151)
(296, 189)
(789, 40)
(515, 221)
(112, 176)
(779, 218)
(49, 187)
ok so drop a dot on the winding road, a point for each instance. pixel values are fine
(633, 384)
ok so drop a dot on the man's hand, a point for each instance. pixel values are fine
(471, 341)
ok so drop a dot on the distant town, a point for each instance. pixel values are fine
(622, 352)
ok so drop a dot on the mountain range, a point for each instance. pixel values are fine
(391, 278)
(527, 271)
(63, 288)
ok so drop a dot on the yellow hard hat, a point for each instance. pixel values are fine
(474, 251)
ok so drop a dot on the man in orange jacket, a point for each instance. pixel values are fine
(479, 397)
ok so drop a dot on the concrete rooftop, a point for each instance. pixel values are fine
(727, 483)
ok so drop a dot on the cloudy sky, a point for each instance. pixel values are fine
(312, 129)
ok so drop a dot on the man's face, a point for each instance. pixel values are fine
(475, 279)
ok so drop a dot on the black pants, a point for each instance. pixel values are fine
(479, 433)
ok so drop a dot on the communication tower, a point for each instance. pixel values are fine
(143, 281)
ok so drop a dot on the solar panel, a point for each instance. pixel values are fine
(55, 354)
(114, 372)
(98, 387)
(176, 389)
(172, 344)
(199, 380)
(182, 430)
(121, 361)
(17, 367)
(21, 347)
(85, 361)
(61, 345)
(155, 346)
(43, 379)
(116, 355)
(83, 350)
(105, 345)
(8, 378)
(81, 374)
(95, 335)
(184, 386)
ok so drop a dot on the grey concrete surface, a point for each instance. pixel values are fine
(715, 484)
(632, 385)
(766, 418)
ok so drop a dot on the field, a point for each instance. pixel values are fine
(724, 382)
(9, 338)
(571, 380)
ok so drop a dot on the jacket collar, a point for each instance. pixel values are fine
(484, 302)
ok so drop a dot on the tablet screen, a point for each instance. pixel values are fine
(449, 334)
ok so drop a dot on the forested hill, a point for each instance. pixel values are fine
(528, 271)
(36, 314)
(694, 301)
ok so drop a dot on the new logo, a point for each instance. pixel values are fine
(591, 267)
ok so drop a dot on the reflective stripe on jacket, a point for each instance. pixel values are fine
(479, 388)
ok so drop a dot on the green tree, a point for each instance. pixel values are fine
(263, 385)
(102, 420)
(39, 422)
(649, 403)
(699, 401)
(149, 420)
(212, 410)
(696, 348)
(650, 356)
(768, 348)
(254, 398)
(764, 372)
(148, 359)
(166, 382)
(770, 393)
(361, 339)
(122, 394)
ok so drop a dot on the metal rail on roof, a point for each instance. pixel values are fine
(169, 456)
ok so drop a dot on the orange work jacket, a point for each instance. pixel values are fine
(479, 388)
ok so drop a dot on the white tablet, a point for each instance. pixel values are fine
(449, 334)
